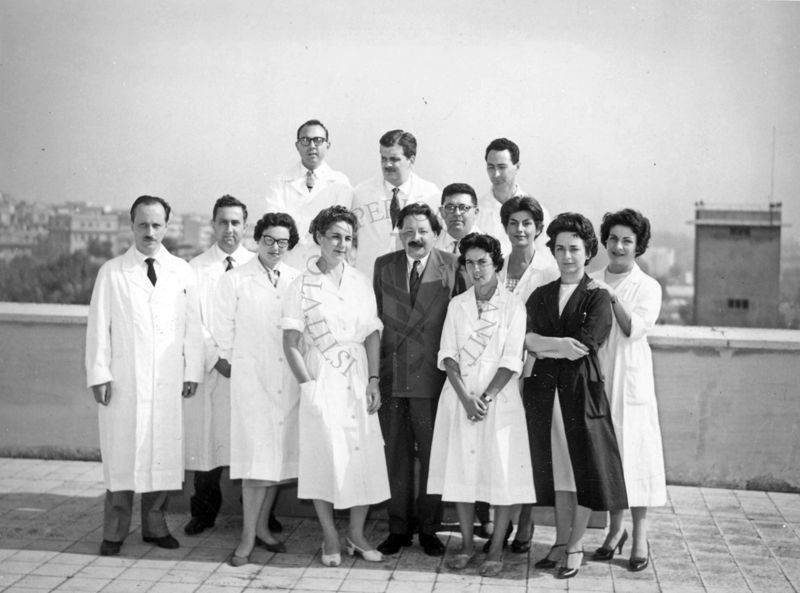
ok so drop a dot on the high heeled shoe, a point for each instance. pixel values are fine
(636, 564)
(606, 553)
(546, 562)
(368, 555)
(567, 573)
(330, 559)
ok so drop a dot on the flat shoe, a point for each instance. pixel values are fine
(491, 568)
(237, 561)
(459, 561)
(278, 548)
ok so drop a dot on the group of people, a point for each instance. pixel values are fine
(385, 343)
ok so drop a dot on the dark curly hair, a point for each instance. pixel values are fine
(634, 220)
(480, 241)
(522, 204)
(572, 222)
(272, 219)
(227, 201)
(331, 215)
(419, 209)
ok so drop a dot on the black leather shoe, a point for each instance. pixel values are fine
(606, 553)
(167, 542)
(108, 548)
(274, 525)
(196, 526)
(519, 547)
(431, 545)
(393, 543)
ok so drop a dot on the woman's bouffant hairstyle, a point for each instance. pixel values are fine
(272, 219)
(578, 224)
(329, 216)
(522, 204)
(479, 241)
(634, 220)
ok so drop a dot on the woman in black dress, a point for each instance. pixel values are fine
(576, 462)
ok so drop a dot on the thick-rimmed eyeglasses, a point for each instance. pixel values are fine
(270, 241)
(462, 208)
(316, 140)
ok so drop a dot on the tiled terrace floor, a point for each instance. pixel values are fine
(705, 540)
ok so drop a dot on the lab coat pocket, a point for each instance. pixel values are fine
(596, 402)
(310, 399)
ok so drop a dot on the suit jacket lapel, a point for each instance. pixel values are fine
(433, 274)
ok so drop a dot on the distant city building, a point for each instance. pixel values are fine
(77, 224)
(197, 231)
(737, 265)
(18, 242)
(659, 261)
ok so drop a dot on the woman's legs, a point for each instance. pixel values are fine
(580, 520)
(615, 529)
(525, 524)
(639, 548)
(324, 510)
(502, 515)
(465, 511)
(253, 494)
(358, 517)
(262, 525)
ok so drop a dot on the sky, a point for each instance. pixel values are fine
(652, 105)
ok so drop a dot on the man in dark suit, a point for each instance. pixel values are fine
(413, 287)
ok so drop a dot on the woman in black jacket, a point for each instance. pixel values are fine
(576, 462)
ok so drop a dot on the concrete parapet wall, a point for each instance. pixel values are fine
(729, 397)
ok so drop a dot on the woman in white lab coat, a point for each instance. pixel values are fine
(627, 364)
(526, 270)
(479, 449)
(264, 393)
(332, 343)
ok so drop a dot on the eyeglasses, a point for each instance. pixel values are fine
(317, 140)
(483, 263)
(270, 241)
(462, 208)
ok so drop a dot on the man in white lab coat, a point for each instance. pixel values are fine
(502, 166)
(377, 202)
(207, 417)
(143, 352)
(308, 187)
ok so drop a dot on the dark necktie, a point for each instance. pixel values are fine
(394, 207)
(229, 267)
(455, 246)
(276, 275)
(151, 270)
(310, 179)
(414, 281)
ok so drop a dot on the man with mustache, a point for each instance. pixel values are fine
(207, 417)
(412, 287)
(144, 350)
(308, 187)
(377, 202)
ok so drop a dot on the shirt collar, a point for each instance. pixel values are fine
(141, 257)
(422, 263)
(405, 188)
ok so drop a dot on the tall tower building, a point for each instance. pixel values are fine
(737, 265)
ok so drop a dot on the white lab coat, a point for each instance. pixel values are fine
(147, 340)
(264, 393)
(207, 415)
(371, 202)
(288, 193)
(542, 270)
(341, 445)
(627, 364)
(488, 460)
